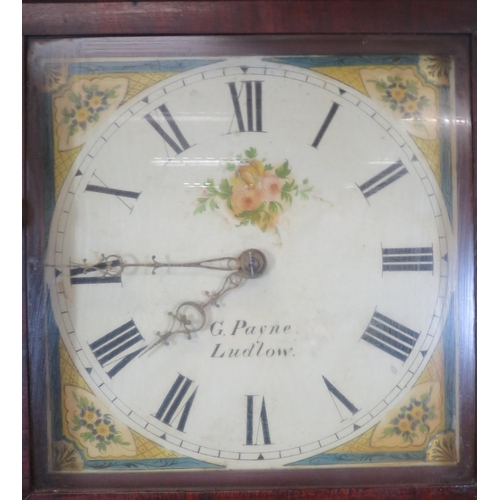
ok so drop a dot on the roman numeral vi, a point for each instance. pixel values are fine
(252, 434)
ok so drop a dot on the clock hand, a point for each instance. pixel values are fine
(181, 323)
(250, 263)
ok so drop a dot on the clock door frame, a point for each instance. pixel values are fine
(208, 25)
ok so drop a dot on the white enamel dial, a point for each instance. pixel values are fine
(249, 154)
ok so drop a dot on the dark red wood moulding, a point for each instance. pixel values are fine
(249, 17)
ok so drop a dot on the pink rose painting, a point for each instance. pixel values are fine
(257, 193)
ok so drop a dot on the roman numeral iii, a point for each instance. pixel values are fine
(113, 348)
(248, 110)
(257, 434)
(407, 259)
(174, 410)
(161, 121)
(383, 179)
(390, 336)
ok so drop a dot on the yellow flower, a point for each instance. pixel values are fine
(82, 114)
(95, 101)
(417, 412)
(89, 416)
(397, 93)
(102, 429)
(404, 425)
(411, 107)
(251, 172)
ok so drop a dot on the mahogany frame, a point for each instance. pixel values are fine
(315, 27)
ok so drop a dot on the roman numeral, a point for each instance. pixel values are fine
(390, 336)
(383, 179)
(94, 275)
(167, 121)
(253, 436)
(407, 259)
(337, 396)
(115, 192)
(252, 122)
(119, 193)
(177, 405)
(326, 124)
(108, 349)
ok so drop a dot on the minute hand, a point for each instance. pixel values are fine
(251, 263)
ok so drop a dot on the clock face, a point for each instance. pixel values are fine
(310, 353)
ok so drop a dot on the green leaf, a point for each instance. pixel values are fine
(202, 200)
(213, 204)
(286, 197)
(251, 153)
(424, 428)
(76, 98)
(229, 204)
(200, 209)
(426, 396)
(411, 87)
(283, 171)
(226, 189)
(388, 431)
(86, 436)
(261, 207)
(245, 214)
(274, 206)
(243, 223)
(255, 217)
(231, 167)
(303, 195)
(268, 167)
(119, 440)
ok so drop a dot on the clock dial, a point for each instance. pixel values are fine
(249, 154)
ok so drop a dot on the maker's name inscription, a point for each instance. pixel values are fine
(256, 349)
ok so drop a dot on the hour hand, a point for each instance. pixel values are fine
(190, 317)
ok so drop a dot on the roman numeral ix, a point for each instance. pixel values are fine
(252, 434)
(163, 121)
(94, 275)
(407, 259)
(250, 118)
(177, 404)
(389, 336)
(383, 179)
(109, 348)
